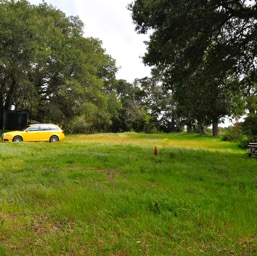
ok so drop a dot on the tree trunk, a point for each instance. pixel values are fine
(1, 113)
(9, 94)
(189, 127)
(201, 127)
(215, 128)
(172, 126)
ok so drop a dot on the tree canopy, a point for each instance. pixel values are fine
(48, 68)
(202, 53)
(202, 50)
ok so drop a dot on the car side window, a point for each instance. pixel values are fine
(53, 128)
(33, 129)
(44, 128)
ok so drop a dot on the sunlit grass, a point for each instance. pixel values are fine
(180, 140)
(108, 194)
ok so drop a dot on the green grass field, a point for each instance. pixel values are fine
(108, 194)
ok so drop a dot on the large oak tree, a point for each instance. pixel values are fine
(48, 68)
(204, 45)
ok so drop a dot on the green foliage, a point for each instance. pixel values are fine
(250, 125)
(244, 132)
(159, 104)
(145, 105)
(249, 130)
(201, 52)
(233, 133)
(48, 68)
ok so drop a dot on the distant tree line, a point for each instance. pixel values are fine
(48, 68)
(203, 55)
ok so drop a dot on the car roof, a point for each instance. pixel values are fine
(41, 124)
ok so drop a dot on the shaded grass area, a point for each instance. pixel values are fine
(94, 195)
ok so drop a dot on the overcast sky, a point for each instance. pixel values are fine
(111, 22)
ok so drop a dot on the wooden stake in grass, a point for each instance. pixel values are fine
(155, 152)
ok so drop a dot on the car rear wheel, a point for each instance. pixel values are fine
(17, 139)
(54, 138)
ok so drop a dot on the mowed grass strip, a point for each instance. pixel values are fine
(110, 195)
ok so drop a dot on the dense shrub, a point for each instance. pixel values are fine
(233, 133)
(244, 141)
(249, 126)
(243, 133)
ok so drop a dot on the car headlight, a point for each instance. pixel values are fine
(7, 135)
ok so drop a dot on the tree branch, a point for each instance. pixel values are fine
(240, 10)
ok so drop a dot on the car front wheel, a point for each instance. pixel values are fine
(54, 138)
(17, 139)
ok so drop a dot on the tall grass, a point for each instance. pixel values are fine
(110, 195)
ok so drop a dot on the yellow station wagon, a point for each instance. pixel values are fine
(36, 132)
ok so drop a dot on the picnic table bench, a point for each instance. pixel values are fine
(252, 149)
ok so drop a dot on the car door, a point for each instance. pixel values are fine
(44, 133)
(31, 133)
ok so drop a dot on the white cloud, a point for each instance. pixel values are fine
(111, 22)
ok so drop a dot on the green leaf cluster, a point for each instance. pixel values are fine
(203, 50)
(50, 69)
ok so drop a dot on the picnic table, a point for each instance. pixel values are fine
(252, 149)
